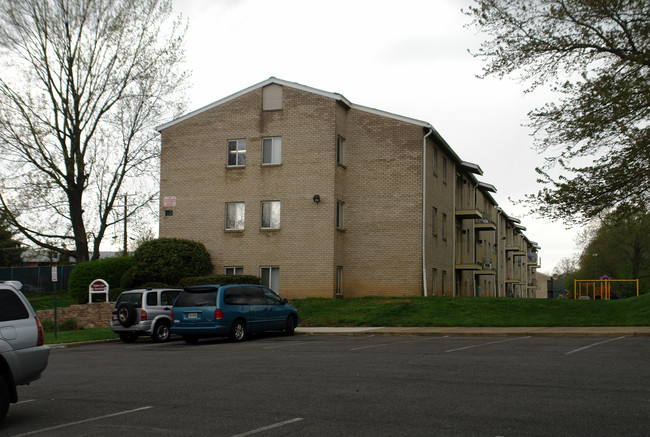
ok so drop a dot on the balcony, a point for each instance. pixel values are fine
(468, 266)
(484, 224)
(469, 214)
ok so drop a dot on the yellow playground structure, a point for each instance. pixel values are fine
(598, 288)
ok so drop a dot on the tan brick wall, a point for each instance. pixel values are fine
(439, 250)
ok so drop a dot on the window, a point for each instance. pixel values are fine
(434, 220)
(270, 215)
(442, 281)
(169, 212)
(235, 213)
(435, 161)
(434, 273)
(339, 280)
(339, 214)
(152, 299)
(270, 277)
(444, 170)
(238, 270)
(11, 307)
(271, 151)
(340, 151)
(236, 153)
(168, 297)
(271, 297)
(444, 226)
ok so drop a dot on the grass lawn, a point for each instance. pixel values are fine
(469, 311)
(432, 311)
(80, 335)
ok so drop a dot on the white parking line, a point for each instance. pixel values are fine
(486, 344)
(25, 401)
(79, 422)
(592, 345)
(266, 428)
(397, 342)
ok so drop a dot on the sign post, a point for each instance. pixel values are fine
(55, 280)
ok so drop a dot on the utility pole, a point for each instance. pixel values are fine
(125, 247)
(126, 196)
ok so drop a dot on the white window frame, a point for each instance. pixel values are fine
(270, 276)
(239, 153)
(239, 225)
(275, 144)
(273, 221)
(233, 270)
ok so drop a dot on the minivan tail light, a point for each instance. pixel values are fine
(143, 315)
(40, 341)
(218, 315)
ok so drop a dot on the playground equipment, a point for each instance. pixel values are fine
(598, 288)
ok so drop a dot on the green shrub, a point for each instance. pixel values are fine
(219, 279)
(167, 261)
(108, 269)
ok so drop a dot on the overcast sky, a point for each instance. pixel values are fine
(408, 57)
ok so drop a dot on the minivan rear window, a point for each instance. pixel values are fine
(11, 307)
(198, 298)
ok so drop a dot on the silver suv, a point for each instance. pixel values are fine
(144, 312)
(23, 357)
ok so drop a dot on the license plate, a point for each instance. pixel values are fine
(192, 315)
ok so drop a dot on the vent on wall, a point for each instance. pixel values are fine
(272, 97)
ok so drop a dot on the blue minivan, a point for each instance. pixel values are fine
(231, 310)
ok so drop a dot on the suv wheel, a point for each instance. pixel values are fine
(4, 398)
(237, 331)
(126, 314)
(161, 332)
(129, 338)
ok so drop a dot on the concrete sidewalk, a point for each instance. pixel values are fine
(591, 331)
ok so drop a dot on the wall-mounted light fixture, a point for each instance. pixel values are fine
(316, 198)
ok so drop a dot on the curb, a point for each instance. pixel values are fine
(599, 331)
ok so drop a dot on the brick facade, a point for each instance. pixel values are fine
(377, 183)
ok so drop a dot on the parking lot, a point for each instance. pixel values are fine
(314, 385)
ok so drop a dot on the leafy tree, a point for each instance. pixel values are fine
(596, 55)
(620, 247)
(10, 249)
(82, 83)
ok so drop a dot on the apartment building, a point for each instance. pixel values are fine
(322, 197)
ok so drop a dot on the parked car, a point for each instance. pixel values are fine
(23, 356)
(231, 310)
(144, 312)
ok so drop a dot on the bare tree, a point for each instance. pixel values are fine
(82, 84)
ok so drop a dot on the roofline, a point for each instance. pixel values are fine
(274, 80)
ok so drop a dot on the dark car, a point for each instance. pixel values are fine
(23, 357)
(231, 310)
